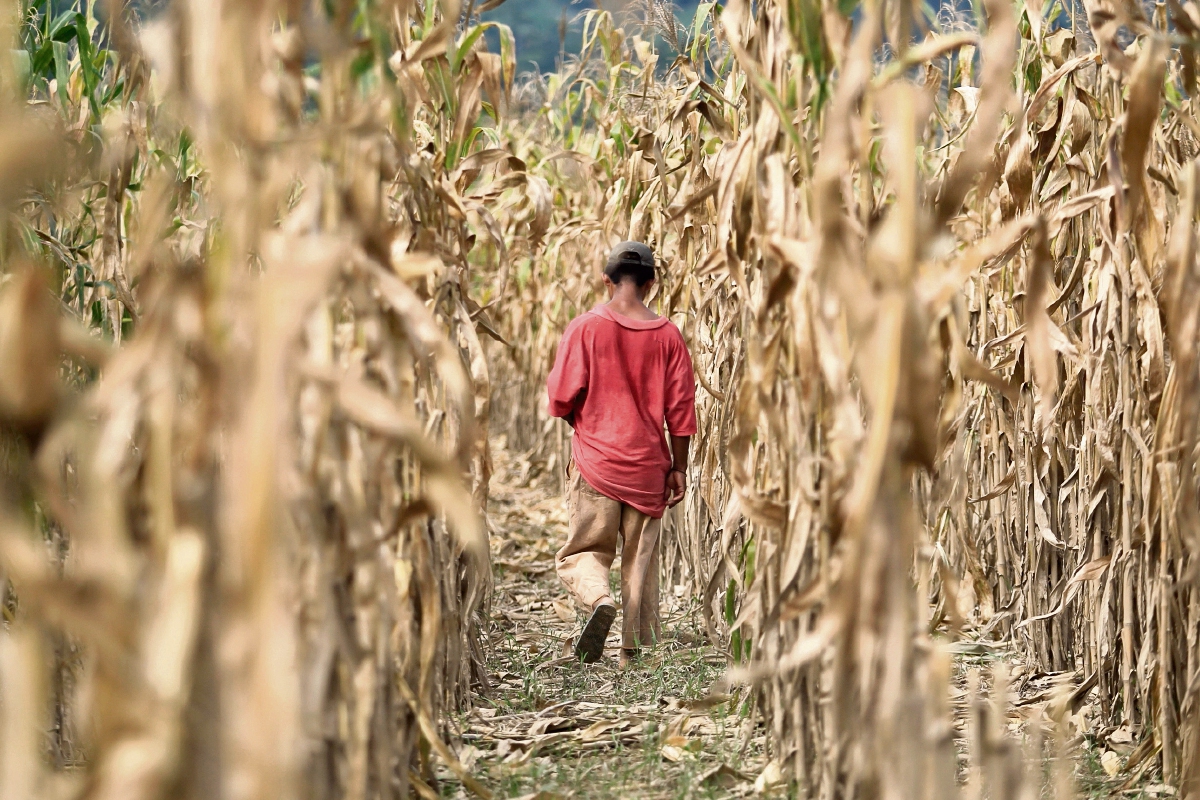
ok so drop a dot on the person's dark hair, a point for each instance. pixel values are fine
(632, 259)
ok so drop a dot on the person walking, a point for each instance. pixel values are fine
(622, 379)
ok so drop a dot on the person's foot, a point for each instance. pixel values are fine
(591, 641)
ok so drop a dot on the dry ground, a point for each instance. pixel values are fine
(555, 727)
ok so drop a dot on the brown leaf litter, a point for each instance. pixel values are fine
(665, 727)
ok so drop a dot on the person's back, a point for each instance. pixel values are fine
(620, 374)
(626, 377)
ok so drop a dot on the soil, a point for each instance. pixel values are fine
(664, 727)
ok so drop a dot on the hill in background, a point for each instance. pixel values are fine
(536, 27)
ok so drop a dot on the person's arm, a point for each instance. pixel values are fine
(681, 418)
(677, 479)
(567, 382)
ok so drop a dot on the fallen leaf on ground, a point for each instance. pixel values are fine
(676, 740)
(1121, 735)
(724, 776)
(551, 725)
(675, 754)
(771, 775)
(564, 611)
(599, 729)
(468, 756)
(704, 703)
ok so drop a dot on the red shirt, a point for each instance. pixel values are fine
(618, 380)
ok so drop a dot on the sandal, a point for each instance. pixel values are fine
(591, 641)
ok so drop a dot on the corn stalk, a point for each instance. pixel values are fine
(266, 472)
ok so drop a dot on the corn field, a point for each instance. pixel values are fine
(275, 275)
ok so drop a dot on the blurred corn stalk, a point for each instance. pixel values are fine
(941, 309)
(269, 555)
(937, 307)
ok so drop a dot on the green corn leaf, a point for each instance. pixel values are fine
(508, 57)
(63, 28)
(62, 70)
(702, 14)
(362, 63)
(465, 44)
(22, 66)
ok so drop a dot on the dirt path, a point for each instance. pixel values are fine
(552, 727)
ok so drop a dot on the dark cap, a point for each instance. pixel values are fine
(632, 254)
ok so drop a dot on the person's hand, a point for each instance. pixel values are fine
(676, 484)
